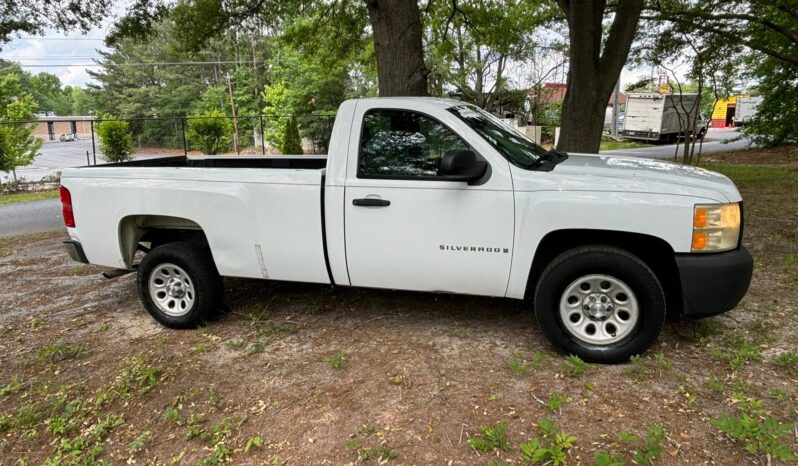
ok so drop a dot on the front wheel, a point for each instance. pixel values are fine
(600, 303)
(179, 285)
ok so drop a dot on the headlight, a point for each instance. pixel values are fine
(716, 227)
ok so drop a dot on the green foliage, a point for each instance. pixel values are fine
(255, 441)
(551, 448)
(574, 366)
(59, 350)
(12, 386)
(776, 121)
(116, 143)
(605, 458)
(651, 447)
(138, 443)
(787, 361)
(136, 374)
(521, 363)
(737, 351)
(760, 435)
(18, 146)
(556, 400)
(292, 143)
(210, 132)
(491, 438)
(337, 360)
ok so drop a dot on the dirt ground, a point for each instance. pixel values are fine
(303, 374)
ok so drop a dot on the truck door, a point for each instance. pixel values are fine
(406, 227)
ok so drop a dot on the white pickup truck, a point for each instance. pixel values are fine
(431, 195)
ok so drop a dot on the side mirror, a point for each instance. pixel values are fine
(462, 165)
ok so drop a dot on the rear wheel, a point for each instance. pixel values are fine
(600, 303)
(179, 285)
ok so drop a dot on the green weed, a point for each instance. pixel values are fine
(550, 448)
(59, 350)
(647, 448)
(491, 438)
(787, 361)
(574, 366)
(556, 400)
(758, 435)
(607, 458)
(737, 352)
(136, 375)
(337, 360)
(138, 443)
(12, 386)
(255, 441)
(519, 363)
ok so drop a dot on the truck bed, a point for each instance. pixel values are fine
(311, 162)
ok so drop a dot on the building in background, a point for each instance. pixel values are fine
(724, 112)
(51, 127)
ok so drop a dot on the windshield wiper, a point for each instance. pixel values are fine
(550, 159)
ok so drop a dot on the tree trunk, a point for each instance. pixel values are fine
(592, 74)
(396, 25)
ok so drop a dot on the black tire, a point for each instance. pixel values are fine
(199, 266)
(582, 261)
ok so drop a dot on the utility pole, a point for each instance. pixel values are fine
(233, 109)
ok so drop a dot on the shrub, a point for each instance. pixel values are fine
(116, 143)
(292, 143)
(210, 132)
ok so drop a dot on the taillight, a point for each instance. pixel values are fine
(66, 207)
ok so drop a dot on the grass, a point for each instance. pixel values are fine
(28, 196)
(612, 144)
(746, 174)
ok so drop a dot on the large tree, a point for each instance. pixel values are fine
(32, 16)
(595, 66)
(396, 26)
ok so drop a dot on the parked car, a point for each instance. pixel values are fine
(68, 137)
(430, 195)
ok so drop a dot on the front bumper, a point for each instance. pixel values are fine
(75, 251)
(714, 283)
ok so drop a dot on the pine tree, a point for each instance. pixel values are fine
(292, 143)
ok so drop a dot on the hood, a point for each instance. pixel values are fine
(635, 174)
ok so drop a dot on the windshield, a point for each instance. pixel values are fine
(513, 145)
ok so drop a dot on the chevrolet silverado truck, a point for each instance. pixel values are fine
(431, 195)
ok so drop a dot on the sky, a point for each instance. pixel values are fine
(67, 54)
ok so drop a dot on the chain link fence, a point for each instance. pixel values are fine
(66, 142)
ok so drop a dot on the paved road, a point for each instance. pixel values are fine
(30, 217)
(54, 156)
(716, 140)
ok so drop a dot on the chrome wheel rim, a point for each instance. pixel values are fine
(172, 290)
(599, 309)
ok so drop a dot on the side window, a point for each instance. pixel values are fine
(403, 143)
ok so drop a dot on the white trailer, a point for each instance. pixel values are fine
(661, 117)
(746, 109)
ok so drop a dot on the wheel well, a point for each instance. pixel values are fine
(655, 252)
(156, 230)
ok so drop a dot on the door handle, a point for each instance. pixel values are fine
(371, 202)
